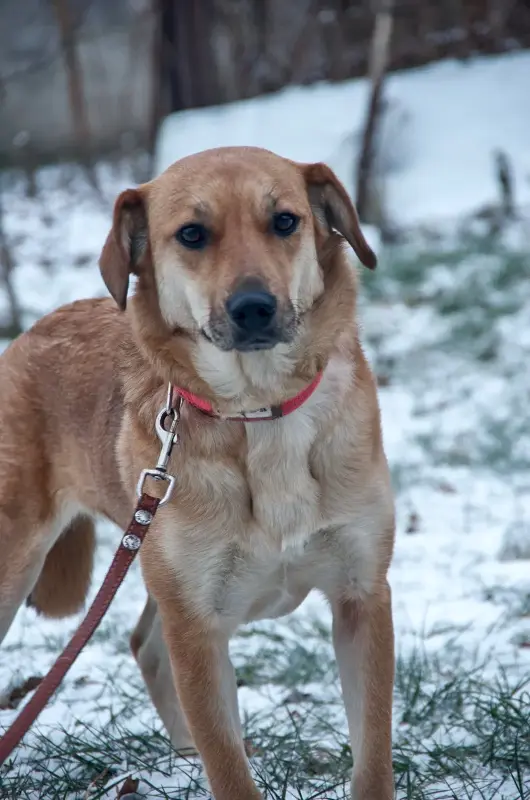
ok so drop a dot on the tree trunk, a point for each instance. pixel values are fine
(378, 64)
(14, 325)
(74, 74)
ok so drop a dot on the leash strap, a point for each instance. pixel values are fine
(123, 558)
(130, 544)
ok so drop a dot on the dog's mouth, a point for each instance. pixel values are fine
(248, 345)
(259, 343)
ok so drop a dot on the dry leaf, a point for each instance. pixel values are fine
(17, 693)
(129, 786)
(96, 783)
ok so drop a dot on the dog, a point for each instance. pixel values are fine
(244, 301)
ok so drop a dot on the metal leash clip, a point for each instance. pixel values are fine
(168, 437)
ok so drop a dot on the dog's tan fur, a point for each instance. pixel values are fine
(262, 512)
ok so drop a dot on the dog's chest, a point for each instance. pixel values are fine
(284, 495)
(251, 536)
(247, 538)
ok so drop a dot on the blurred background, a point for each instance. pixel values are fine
(422, 107)
(102, 76)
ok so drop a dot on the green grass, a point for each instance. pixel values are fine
(470, 286)
(470, 282)
(461, 730)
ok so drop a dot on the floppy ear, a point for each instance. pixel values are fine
(332, 206)
(126, 244)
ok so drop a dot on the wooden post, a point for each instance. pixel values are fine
(74, 75)
(379, 53)
(7, 266)
(504, 173)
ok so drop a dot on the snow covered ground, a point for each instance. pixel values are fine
(446, 322)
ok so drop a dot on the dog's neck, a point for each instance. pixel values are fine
(261, 414)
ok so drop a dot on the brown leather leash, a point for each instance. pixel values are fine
(131, 542)
(129, 546)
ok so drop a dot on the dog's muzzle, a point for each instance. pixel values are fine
(253, 316)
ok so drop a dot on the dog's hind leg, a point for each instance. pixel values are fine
(63, 583)
(150, 652)
(21, 561)
(49, 564)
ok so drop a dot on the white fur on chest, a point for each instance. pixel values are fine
(271, 504)
(285, 496)
(256, 544)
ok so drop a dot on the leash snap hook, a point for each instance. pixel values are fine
(157, 475)
(169, 437)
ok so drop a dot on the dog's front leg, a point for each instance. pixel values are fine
(364, 644)
(206, 685)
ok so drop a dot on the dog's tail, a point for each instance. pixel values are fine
(63, 584)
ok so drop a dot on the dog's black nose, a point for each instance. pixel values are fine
(252, 312)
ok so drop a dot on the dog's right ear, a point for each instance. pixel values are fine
(126, 245)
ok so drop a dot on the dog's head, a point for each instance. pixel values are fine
(230, 242)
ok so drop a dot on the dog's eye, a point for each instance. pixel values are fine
(193, 236)
(285, 223)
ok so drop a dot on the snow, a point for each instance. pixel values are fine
(446, 122)
(454, 570)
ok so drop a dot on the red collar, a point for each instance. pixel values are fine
(261, 414)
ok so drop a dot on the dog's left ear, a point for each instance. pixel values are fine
(331, 205)
(126, 246)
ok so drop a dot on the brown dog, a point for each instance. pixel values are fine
(244, 299)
